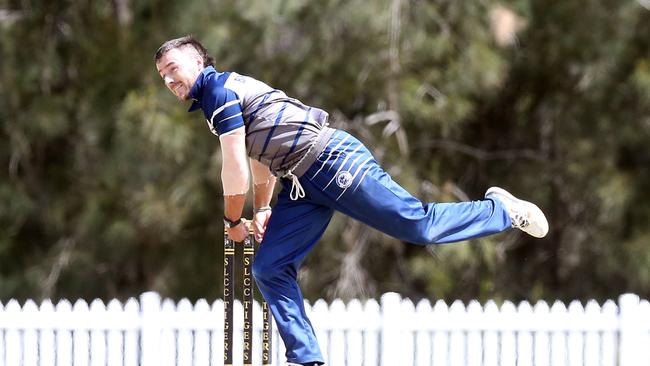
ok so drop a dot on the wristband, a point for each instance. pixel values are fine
(262, 209)
(229, 223)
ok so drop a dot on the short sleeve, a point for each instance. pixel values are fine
(222, 110)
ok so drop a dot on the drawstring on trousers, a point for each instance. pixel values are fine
(296, 188)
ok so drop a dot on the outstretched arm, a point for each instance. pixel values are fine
(234, 177)
(223, 112)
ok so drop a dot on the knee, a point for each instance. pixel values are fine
(264, 271)
(418, 233)
(421, 239)
(427, 237)
(424, 236)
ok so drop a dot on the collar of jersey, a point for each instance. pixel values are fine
(196, 92)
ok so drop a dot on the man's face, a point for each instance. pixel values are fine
(179, 68)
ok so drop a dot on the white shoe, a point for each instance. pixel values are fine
(524, 215)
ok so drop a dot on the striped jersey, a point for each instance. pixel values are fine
(281, 132)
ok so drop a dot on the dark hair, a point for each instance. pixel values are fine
(188, 40)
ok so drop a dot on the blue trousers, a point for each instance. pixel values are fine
(346, 178)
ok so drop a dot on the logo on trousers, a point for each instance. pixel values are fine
(344, 179)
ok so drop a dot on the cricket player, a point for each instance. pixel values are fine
(321, 170)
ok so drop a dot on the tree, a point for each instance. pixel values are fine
(112, 189)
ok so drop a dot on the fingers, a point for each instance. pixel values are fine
(258, 224)
(259, 228)
(237, 234)
(261, 219)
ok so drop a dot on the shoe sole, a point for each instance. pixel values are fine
(537, 212)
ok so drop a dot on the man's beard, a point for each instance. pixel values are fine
(183, 97)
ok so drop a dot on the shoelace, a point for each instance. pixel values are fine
(519, 221)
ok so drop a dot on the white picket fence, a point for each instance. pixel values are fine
(394, 331)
